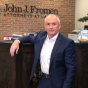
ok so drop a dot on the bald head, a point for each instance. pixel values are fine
(52, 25)
(52, 16)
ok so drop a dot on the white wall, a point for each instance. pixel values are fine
(81, 10)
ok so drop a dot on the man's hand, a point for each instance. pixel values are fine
(14, 47)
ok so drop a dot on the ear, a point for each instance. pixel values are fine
(59, 26)
(45, 26)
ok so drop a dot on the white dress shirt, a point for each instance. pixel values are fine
(45, 54)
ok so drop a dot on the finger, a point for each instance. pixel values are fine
(11, 51)
(17, 50)
(12, 54)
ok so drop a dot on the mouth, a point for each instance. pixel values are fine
(51, 30)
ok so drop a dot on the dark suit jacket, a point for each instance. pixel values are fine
(62, 62)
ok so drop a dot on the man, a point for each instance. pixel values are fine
(55, 52)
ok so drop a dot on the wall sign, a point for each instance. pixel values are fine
(11, 10)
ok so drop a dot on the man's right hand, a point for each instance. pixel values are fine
(14, 47)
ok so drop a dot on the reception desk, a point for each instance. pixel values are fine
(15, 71)
(81, 79)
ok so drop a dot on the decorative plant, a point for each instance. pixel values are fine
(83, 19)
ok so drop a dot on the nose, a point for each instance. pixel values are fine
(51, 26)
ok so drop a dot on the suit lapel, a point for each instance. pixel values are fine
(39, 47)
(56, 46)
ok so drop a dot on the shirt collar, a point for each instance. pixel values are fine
(53, 38)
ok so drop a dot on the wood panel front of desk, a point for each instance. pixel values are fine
(15, 71)
(81, 79)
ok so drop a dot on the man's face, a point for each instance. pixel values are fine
(52, 26)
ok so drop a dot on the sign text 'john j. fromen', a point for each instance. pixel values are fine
(27, 11)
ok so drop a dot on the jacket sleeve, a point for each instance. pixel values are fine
(27, 39)
(70, 62)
